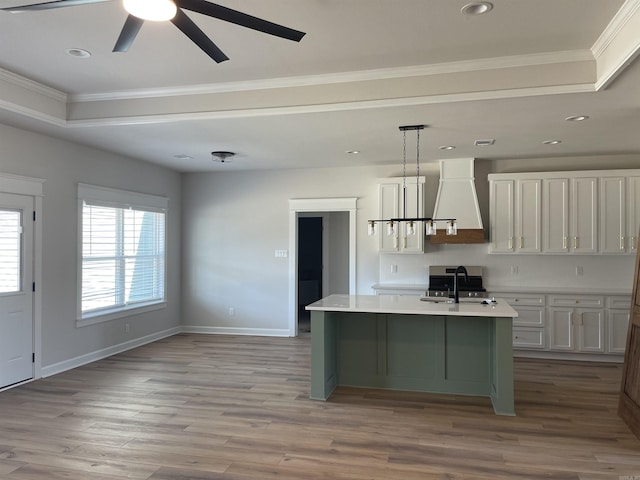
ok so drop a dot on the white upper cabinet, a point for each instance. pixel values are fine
(633, 213)
(528, 215)
(583, 223)
(581, 212)
(613, 217)
(502, 224)
(394, 196)
(555, 215)
(515, 216)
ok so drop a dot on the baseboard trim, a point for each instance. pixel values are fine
(577, 357)
(65, 365)
(258, 332)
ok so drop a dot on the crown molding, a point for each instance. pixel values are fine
(32, 86)
(623, 20)
(329, 107)
(615, 26)
(346, 77)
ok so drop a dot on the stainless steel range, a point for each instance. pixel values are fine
(441, 282)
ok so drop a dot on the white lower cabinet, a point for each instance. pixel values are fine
(579, 328)
(528, 327)
(587, 324)
(618, 312)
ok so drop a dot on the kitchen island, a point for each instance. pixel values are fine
(402, 343)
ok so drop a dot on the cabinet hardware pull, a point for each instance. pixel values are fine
(564, 243)
(575, 243)
(521, 242)
(633, 243)
(510, 243)
(621, 243)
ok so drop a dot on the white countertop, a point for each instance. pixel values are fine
(411, 305)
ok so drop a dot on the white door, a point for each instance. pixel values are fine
(16, 296)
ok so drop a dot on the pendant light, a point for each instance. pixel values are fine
(409, 225)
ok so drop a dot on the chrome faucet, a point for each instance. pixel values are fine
(456, 293)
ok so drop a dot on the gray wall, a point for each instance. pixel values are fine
(62, 165)
(233, 222)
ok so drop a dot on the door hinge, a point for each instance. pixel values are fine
(33, 358)
(34, 215)
(33, 287)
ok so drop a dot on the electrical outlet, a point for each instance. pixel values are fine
(232, 311)
(514, 270)
(126, 328)
(578, 271)
(394, 268)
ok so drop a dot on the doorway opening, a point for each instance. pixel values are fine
(310, 267)
(322, 240)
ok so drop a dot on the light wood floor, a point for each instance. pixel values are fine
(202, 407)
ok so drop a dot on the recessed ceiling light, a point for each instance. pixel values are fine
(447, 147)
(577, 118)
(552, 142)
(182, 156)
(485, 143)
(78, 52)
(476, 8)
(353, 152)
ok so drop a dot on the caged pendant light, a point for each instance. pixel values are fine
(410, 224)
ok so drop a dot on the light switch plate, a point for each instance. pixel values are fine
(282, 253)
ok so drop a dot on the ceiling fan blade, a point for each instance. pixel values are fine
(50, 5)
(128, 34)
(239, 18)
(197, 36)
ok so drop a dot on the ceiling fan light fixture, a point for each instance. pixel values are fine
(153, 10)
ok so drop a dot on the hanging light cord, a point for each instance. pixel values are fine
(404, 174)
(417, 173)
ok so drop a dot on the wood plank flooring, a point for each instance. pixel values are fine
(205, 407)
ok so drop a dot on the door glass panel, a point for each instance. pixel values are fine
(10, 250)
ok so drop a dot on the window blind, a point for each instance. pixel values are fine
(10, 250)
(123, 255)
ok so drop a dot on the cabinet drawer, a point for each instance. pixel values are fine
(619, 301)
(528, 337)
(585, 301)
(515, 299)
(529, 316)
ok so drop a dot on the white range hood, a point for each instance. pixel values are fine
(457, 199)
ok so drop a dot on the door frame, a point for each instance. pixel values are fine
(319, 206)
(29, 186)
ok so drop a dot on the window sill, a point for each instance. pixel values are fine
(127, 312)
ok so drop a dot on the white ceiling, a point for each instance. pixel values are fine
(364, 68)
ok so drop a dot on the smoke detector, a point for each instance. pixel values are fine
(222, 157)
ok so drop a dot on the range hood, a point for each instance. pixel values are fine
(457, 199)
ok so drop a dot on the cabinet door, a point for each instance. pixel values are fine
(388, 196)
(613, 217)
(414, 209)
(617, 325)
(633, 213)
(584, 215)
(555, 215)
(502, 208)
(561, 329)
(590, 330)
(528, 216)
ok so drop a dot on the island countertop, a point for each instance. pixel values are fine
(410, 305)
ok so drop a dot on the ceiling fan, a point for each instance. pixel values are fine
(180, 19)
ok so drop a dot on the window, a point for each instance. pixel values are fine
(10, 250)
(122, 252)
